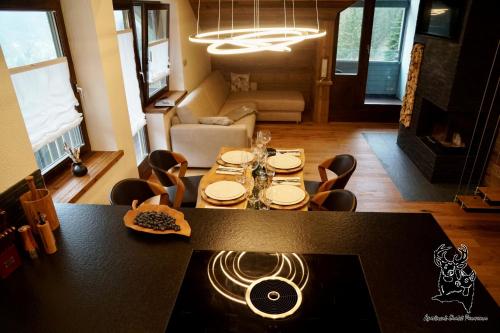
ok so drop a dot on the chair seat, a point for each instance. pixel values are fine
(191, 194)
(311, 186)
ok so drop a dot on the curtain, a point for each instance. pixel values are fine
(46, 100)
(158, 61)
(132, 92)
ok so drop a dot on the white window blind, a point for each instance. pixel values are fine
(132, 92)
(46, 100)
(158, 60)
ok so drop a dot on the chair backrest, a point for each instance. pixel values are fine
(127, 190)
(163, 160)
(335, 200)
(343, 166)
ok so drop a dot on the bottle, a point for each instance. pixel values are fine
(45, 231)
(29, 242)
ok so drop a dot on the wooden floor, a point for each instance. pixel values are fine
(376, 192)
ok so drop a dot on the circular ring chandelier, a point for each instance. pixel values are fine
(256, 39)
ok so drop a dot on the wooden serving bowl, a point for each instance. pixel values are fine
(129, 218)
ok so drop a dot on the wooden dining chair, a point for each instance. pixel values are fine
(342, 165)
(127, 190)
(334, 200)
(183, 189)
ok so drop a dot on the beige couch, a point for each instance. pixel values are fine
(201, 143)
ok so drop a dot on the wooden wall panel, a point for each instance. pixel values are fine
(275, 71)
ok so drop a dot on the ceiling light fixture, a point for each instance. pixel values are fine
(256, 39)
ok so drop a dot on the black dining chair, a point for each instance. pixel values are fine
(127, 190)
(342, 165)
(183, 189)
(334, 200)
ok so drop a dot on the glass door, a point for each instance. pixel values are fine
(351, 49)
(383, 81)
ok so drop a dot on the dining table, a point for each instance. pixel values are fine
(212, 176)
(106, 277)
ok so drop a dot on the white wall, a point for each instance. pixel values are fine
(411, 23)
(193, 58)
(17, 159)
(176, 78)
(94, 48)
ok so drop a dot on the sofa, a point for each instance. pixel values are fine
(200, 143)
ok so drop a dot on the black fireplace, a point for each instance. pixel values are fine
(450, 101)
(445, 133)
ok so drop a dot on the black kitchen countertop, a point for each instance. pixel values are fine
(107, 278)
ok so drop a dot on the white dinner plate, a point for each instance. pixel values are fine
(236, 156)
(225, 190)
(286, 195)
(284, 161)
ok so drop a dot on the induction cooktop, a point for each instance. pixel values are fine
(230, 291)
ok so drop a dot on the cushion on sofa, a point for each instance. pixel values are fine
(216, 88)
(222, 121)
(268, 100)
(240, 82)
(186, 115)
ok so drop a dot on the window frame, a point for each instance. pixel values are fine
(145, 6)
(54, 6)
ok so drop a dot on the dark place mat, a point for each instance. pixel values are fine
(410, 182)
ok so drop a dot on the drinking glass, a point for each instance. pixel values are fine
(251, 197)
(265, 197)
(244, 164)
(270, 174)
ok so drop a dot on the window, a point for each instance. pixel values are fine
(349, 38)
(121, 19)
(141, 145)
(128, 60)
(32, 38)
(385, 49)
(386, 34)
(158, 66)
(153, 18)
(22, 46)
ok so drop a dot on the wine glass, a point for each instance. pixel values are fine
(266, 198)
(262, 162)
(264, 136)
(254, 163)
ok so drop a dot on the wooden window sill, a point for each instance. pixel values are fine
(179, 96)
(67, 188)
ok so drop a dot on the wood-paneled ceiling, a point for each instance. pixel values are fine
(271, 12)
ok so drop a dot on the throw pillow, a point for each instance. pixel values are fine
(240, 112)
(186, 116)
(222, 121)
(240, 82)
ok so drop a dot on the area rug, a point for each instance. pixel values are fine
(410, 182)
